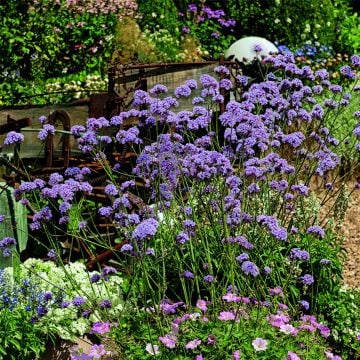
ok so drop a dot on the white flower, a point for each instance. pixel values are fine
(287, 329)
(259, 344)
(152, 349)
(288, 20)
(276, 21)
(194, 316)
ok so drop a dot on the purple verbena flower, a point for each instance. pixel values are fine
(307, 279)
(14, 137)
(249, 268)
(316, 230)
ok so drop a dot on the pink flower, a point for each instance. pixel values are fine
(174, 328)
(236, 355)
(230, 297)
(199, 357)
(101, 327)
(324, 330)
(330, 356)
(97, 351)
(288, 329)
(292, 356)
(202, 305)
(259, 344)
(169, 340)
(193, 344)
(226, 315)
(278, 319)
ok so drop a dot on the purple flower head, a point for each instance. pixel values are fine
(182, 91)
(42, 119)
(257, 48)
(126, 248)
(242, 257)
(276, 292)
(6, 252)
(301, 189)
(111, 190)
(64, 304)
(182, 238)
(243, 80)
(347, 72)
(272, 225)
(97, 351)
(101, 327)
(105, 304)
(355, 60)
(294, 139)
(330, 356)
(231, 297)
(316, 230)
(267, 270)
(108, 270)
(7, 241)
(307, 279)
(52, 255)
(146, 229)
(325, 262)
(78, 301)
(169, 340)
(158, 89)
(226, 316)
(95, 278)
(192, 8)
(298, 254)
(188, 274)
(168, 308)
(209, 278)
(46, 131)
(130, 136)
(304, 304)
(14, 137)
(249, 268)
(292, 356)
(202, 305)
(324, 331)
(185, 30)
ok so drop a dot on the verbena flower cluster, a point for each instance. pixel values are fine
(228, 205)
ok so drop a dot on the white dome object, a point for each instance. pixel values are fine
(248, 48)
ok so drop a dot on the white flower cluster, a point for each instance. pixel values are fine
(91, 84)
(74, 280)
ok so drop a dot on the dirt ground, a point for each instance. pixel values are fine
(351, 231)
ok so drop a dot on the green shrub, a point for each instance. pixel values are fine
(47, 38)
(289, 22)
